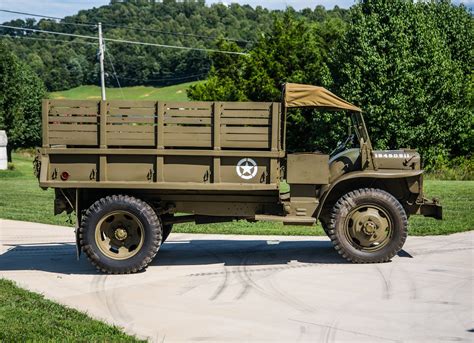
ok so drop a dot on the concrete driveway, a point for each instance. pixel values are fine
(257, 288)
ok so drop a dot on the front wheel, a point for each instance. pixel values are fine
(368, 226)
(120, 234)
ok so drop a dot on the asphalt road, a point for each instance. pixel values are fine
(257, 288)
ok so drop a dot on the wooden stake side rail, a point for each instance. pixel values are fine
(119, 142)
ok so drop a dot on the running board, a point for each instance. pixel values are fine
(287, 220)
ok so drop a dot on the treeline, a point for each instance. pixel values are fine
(69, 63)
(408, 64)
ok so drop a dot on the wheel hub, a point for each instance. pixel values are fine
(121, 234)
(368, 228)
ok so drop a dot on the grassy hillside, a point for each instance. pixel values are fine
(36, 205)
(171, 93)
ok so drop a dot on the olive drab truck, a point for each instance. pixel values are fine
(130, 170)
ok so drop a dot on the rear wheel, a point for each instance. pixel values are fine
(120, 234)
(368, 226)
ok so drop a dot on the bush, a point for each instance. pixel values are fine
(459, 168)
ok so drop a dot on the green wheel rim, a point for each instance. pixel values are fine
(368, 228)
(119, 235)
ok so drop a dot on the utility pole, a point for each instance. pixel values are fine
(101, 61)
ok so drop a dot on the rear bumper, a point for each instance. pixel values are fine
(431, 208)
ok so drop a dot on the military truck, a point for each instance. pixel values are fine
(130, 170)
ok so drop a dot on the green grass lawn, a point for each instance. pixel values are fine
(22, 199)
(171, 93)
(29, 317)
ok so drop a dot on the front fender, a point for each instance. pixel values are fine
(367, 174)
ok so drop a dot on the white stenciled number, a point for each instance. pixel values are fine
(246, 168)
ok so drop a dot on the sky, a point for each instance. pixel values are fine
(61, 8)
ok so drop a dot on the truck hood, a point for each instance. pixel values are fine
(402, 159)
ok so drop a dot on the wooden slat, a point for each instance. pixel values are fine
(62, 111)
(245, 121)
(246, 114)
(84, 138)
(103, 129)
(45, 123)
(131, 142)
(75, 141)
(73, 127)
(243, 137)
(131, 128)
(72, 134)
(188, 113)
(131, 135)
(216, 141)
(132, 103)
(187, 136)
(160, 136)
(56, 119)
(117, 119)
(188, 105)
(178, 120)
(74, 103)
(188, 143)
(275, 126)
(132, 111)
(245, 129)
(187, 129)
(243, 144)
(247, 105)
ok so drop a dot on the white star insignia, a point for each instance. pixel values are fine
(247, 169)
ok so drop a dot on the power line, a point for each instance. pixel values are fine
(49, 17)
(90, 24)
(165, 79)
(173, 46)
(125, 41)
(50, 32)
(31, 14)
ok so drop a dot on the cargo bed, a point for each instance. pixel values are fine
(161, 145)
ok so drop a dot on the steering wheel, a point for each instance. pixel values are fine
(341, 146)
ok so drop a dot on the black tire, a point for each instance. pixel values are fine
(348, 215)
(150, 235)
(167, 228)
(166, 231)
(325, 227)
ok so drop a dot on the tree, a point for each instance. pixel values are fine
(294, 51)
(21, 92)
(409, 66)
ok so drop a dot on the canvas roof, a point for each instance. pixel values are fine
(299, 95)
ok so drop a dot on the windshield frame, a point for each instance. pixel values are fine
(360, 128)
